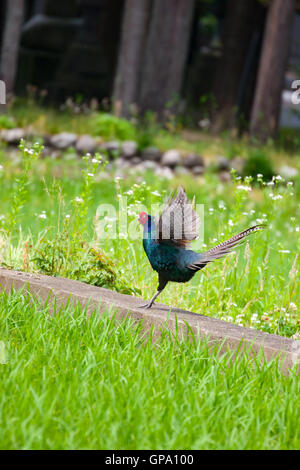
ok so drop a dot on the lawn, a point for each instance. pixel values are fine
(75, 383)
(68, 382)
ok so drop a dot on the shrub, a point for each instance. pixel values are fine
(72, 257)
(6, 122)
(147, 130)
(258, 162)
(112, 127)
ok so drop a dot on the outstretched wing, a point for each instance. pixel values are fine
(178, 223)
(223, 248)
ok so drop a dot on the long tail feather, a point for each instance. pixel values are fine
(224, 248)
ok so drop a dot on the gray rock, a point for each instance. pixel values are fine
(140, 168)
(113, 145)
(238, 163)
(135, 160)
(63, 140)
(288, 172)
(164, 172)
(192, 160)
(129, 149)
(198, 170)
(112, 148)
(122, 163)
(13, 136)
(222, 163)
(225, 176)
(181, 171)
(55, 154)
(171, 158)
(86, 144)
(151, 153)
(151, 165)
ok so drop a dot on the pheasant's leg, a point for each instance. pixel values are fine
(162, 284)
(151, 302)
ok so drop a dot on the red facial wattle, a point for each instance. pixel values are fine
(143, 217)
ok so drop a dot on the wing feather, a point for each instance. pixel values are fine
(178, 223)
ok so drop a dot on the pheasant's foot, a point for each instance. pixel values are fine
(148, 305)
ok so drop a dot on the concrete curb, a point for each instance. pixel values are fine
(230, 336)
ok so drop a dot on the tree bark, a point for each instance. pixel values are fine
(166, 53)
(10, 44)
(242, 23)
(131, 54)
(273, 62)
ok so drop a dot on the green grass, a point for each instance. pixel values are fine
(257, 287)
(75, 383)
(70, 382)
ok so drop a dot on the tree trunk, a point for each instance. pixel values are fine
(10, 44)
(273, 62)
(166, 53)
(131, 54)
(243, 22)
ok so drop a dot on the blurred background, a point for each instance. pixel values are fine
(213, 65)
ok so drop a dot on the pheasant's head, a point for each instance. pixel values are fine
(143, 217)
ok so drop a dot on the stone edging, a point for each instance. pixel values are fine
(126, 155)
(228, 335)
